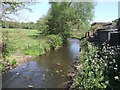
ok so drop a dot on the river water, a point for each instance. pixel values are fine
(47, 71)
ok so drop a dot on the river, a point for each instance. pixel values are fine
(47, 71)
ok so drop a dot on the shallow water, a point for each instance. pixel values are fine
(47, 71)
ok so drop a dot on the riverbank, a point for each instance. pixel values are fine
(53, 66)
(25, 44)
(28, 44)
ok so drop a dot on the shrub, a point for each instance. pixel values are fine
(99, 67)
(55, 41)
(91, 70)
(7, 49)
(7, 46)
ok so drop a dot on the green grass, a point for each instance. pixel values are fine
(28, 41)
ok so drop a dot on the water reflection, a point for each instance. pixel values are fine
(74, 48)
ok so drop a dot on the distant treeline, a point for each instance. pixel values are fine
(11, 24)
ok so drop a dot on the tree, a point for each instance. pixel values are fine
(66, 16)
(42, 25)
(8, 8)
(58, 22)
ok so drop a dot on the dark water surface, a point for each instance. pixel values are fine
(47, 71)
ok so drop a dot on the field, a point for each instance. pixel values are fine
(26, 41)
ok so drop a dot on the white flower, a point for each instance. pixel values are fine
(106, 56)
(115, 68)
(116, 77)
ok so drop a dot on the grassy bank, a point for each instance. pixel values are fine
(26, 44)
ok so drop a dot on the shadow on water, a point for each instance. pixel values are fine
(47, 71)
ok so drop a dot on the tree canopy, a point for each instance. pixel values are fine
(63, 17)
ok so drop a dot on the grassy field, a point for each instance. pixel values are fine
(28, 42)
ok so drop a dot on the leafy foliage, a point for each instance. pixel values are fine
(99, 67)
(9, 8)
(42, 26)
(90, 72)
(13, 62)
(63, 17)
(7, 47)
(13, 24)
(111, 56)
(55, 41)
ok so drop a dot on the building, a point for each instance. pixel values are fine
(100, 25)
(108, 33)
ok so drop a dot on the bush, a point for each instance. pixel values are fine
(55, 41)
(7, 46)
(99, 67)
(111, 56)
(7, 49)
(91, 70)
(2, 67)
